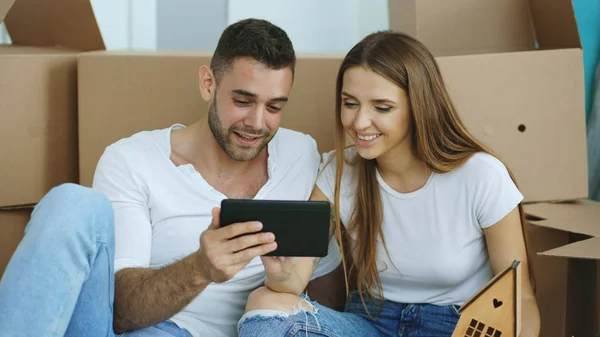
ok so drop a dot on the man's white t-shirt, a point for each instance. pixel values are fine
(434, 235)
(161, 209)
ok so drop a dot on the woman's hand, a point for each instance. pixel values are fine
(282, 273)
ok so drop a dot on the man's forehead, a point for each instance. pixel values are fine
(252, 78)
(248, 67)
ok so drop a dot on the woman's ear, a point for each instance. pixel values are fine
(207, 83)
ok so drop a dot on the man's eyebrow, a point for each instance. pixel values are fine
(244, 93)
(252, 95)
(280, 99)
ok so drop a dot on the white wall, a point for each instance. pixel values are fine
(190, 24)
(317, 26)
(161, 24)
(127, 24)
(373, 16)
(314, 26)
(143, 24)
(4, 38)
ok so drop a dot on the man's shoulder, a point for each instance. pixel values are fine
(138, 143)
(292, 145)
(137, 150)
(298, 138)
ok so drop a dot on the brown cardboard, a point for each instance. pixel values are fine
(69, 24)
(501, 84)
(580, 216)
(551, 279)
(579, 219)
(464, 27)
(123, 93)
(4, 7)
(12, 226)
(38, 95)
(152, 90)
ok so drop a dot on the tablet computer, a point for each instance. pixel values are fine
(301, 228)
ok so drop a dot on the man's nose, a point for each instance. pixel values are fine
(256, 118)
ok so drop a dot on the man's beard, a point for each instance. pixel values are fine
(224, 140)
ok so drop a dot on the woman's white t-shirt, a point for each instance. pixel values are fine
(434, 235)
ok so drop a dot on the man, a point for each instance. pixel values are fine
(175, 271)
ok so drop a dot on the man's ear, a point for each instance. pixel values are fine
(207, 83)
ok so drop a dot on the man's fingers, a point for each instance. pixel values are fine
(216, 214)
(249, 240)
(241, 228)
(250, 253)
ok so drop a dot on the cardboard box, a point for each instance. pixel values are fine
(122, 93)
(153, 90)
(12, 225)
(521, 101)
(579, 222)
(514, 71)
(521, 104)
(38, 94)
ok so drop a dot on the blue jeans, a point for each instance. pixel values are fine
(395, 319)
(60, 280)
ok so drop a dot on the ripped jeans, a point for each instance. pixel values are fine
(395, 319)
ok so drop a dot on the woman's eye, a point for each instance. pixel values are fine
(350, 105)
(383, 108)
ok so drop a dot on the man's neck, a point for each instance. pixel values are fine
(198, 145)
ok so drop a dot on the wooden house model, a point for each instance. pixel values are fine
(495, 311)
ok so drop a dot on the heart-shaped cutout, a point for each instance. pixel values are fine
(497, 303)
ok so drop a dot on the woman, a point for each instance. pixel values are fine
(431, 214)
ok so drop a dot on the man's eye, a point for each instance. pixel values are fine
(238, 102)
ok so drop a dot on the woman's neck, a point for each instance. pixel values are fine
(402, 171)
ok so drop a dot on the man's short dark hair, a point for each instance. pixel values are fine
(257, 39)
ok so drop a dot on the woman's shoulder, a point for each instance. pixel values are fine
(483, 165)
(481, 170)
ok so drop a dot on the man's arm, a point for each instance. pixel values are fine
(144, 297)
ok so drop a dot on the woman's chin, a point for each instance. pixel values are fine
(367, 153)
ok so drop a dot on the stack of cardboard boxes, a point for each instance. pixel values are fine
(38, 104)
(513, 68)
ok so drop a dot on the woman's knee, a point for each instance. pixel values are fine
(264, 298)
(261, 298)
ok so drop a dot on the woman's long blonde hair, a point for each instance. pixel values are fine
(438, 137)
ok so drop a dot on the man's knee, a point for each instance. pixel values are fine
(69, 194)
(74, 204)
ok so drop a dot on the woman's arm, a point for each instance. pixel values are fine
(293, 274)
(505, 244)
